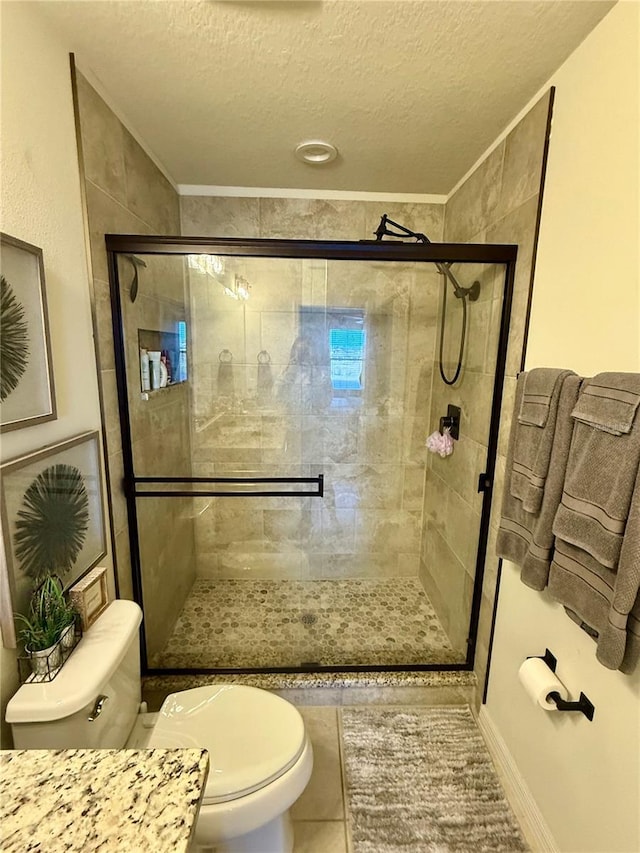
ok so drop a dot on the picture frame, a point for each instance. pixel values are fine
(52, 520)
(90, 596)
(27, 392)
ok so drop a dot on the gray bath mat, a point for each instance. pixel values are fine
(423, 782)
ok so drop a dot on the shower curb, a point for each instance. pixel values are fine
(332, 688)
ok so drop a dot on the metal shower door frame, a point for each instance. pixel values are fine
(364, 250)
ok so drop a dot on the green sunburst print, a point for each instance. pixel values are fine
(14, 339)
(52, 523)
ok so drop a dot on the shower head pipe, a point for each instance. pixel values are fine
(384, 230)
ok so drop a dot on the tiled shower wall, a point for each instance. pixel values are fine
(371, 450)
(452, 503)
(498, 203)
(127, 194)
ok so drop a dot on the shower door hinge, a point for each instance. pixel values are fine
(484, 483)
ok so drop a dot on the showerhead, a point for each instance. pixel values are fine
(383, 230)
(461, 292)
(135, 263)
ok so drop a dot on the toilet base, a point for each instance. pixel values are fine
(274, 837)
(257, 822)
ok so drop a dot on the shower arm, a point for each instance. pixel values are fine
(383, 230)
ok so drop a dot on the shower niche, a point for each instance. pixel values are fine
(284, 512)
(172, 349)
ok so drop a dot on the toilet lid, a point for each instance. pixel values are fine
(252, 736)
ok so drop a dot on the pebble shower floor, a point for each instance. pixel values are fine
(276, 623)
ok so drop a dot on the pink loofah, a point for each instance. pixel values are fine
(440, 443)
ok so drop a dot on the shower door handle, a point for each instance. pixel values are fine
(226, 492)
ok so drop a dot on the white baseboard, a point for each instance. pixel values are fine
(533, 824)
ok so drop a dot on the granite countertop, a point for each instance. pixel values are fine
(287, 680)
(89, 800)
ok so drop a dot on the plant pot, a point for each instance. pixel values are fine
(68, 637)
(44, 661)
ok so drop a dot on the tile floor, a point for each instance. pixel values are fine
(306, 622)
(319, 817)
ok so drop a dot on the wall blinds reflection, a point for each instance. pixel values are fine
(347, 359)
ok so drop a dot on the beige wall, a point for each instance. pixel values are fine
(497, 203)
(371, 450)
(41, 205)
(127, 194)
(585, 777)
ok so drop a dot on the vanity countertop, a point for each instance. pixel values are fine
(90, 800)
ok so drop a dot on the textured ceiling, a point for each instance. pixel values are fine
(411, 93)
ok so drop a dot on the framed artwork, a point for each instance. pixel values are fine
(27, 394)
(52, 521)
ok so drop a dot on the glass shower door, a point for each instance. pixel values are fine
(287, 512)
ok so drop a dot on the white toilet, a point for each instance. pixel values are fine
(260, 755)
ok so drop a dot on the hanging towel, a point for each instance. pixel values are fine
(632, 649)
(534, 435)
(526, 538)
(605, 602)
(539, 387)
(601, 471)
(609, 402)
(618, 642)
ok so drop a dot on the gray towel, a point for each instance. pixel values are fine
(539, 385)
(526, 538)
(605, 601)
(610, 402)
(599, 483)
(619, 641)
(632, 650)
(533, 443)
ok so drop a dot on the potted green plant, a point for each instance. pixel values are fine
(47, 627)
(65, 613)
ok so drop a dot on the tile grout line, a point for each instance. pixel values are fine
(345, 811)
(120, 203)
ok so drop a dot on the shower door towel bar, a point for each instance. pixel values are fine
(225, 493)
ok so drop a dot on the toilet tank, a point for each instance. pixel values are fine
(106, 662)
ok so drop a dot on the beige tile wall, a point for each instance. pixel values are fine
(498, 203)
(371, 450)
(126, 193)
(452, 504)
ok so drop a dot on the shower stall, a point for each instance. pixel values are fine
(275, 399)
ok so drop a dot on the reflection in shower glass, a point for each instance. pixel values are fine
(347, 359)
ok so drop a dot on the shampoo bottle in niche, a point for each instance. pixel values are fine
(165, 358)
(164, 373)
(145, 379)
(154, 368)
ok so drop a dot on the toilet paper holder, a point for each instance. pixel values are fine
(583, 704)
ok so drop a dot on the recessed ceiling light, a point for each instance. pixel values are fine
(316, 153)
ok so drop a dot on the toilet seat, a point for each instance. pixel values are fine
(252, 736)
